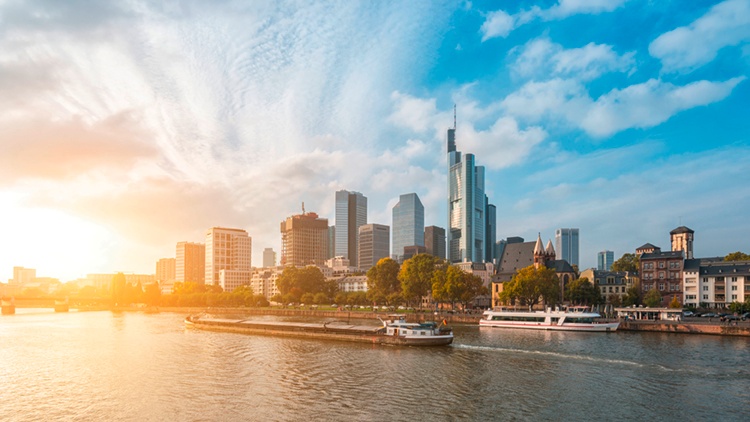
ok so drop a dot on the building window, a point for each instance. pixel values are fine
(734, 279)
(661, 275)
(719, 279)
(705, 297)
(661, 286)
(734, 297)
(705, 288)
(661, 265)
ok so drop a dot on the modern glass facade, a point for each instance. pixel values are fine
(566, 245)
(467, 208)
(605, 259)
(374, 243)
(351, 214)
(408, 224)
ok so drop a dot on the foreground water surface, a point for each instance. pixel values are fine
(135, 367)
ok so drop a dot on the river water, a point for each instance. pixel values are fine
(106, 366)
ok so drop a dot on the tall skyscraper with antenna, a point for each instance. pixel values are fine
(469, 227)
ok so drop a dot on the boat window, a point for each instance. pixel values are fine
(517, 318)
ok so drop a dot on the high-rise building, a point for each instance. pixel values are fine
(566, 245)
(434, 241)
(351, 214)
(331, 242)
(304, 240)
(165, 270)
(467, 206)
(228, 257)
(374, 244)
(23, 275)
(604, 260)
(190, 262)
(408, 224)
(491, 231)
(269, 258)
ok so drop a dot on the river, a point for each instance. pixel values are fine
(130, 366)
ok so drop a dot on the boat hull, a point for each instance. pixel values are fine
(598, 327)
(350, 333)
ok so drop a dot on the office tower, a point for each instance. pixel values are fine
(434, 241)
(228, 257)
(331, 242)
(190, 262)
(269, 258)
(566, 245)
(604, 260)
(165, 269)
(304, 240)
(467, 206)
(374, 244)
(351, 214)
(408, 224)
(490, 231)
(682, 240)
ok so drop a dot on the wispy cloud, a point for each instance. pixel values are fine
(500, 23)
(688, 47)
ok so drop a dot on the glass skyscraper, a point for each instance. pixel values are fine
(566, 245)
(469, 225)
(351, 214)
(605, 259)
(408, 224)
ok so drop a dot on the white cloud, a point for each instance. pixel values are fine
(411, 112)
(636, 106)
(497, 24)
(688, 47)
(500, 23)
(541, 57)
(504, 144)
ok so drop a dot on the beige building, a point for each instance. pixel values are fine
(190, 262)
(227, 249)
(715, 283)
(610, 283)
(304, 240)
(165, 270)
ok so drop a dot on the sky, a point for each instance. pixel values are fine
(128, 126)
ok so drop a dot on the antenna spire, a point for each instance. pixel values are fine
(454, 116)
(303, 207)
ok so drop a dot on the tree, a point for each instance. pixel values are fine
(305, 280)
(382, 281)
(308, 298)
(627, 262)
(652, 299)
(320, 298)
(737, 256)
(416, 277)
(614, 300)
(152, 294)
(675, 303)
(531, 284)
(582, 292)
(632, 296)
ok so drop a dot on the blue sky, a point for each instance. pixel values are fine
(130, 126)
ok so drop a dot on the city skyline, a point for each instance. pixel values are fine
(117, 147)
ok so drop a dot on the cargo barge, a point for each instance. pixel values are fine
(393, 331)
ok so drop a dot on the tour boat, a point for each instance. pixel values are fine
(393, 331)
(562, 320)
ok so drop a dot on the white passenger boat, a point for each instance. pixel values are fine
(562, 320)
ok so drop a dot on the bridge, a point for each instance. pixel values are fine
(9, 305)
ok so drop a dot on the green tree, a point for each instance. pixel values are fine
(530, 285)
(614, 300)
(652, 299)
(737, 256)
(307, 298)
(632, 296)
(382, 281)
(738, 307)
(152, 294)
(305, 280)
(416, 277)
(321, 298)
(627, 262)
(582, 292)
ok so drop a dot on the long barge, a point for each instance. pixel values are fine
(394, 331)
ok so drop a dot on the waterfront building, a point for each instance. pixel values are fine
(566, 244)
(374, 244)
(331, 250)
(269, 258)
(263, 281)
(715, 283)
(228, 249)
(165, 270)
(338, 267)
(351, 214)
(605, 259)
(611, 284)
(661, 271)
(434, 241)
(467, 206)
(352, 283)
(682, 240)
(190, 262)
(304, 240)
(23, 275)
(104, 281)
(408, 224)
(483, 270)
(411, 251)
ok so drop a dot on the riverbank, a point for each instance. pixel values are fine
(718, 328)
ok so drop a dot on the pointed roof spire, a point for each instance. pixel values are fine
(550, 250)
(538, 248)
